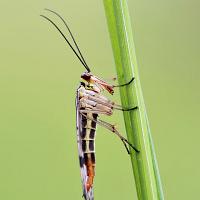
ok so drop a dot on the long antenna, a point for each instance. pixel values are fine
(69, 33)
(86, 67)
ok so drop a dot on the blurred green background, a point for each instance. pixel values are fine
(38, 79)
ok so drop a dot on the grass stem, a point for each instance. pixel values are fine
(145, 169)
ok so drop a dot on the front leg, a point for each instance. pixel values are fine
(128, 83)
(97, 100)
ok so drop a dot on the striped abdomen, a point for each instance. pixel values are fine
(87, 137)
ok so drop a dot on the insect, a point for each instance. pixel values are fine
(90, 104)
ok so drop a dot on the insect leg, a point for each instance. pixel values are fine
(125, 83)
(115, 78)
(125, 109)
(112, 129)
(99, 99)
(115, 131)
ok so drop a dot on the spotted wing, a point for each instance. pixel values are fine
(88, 195)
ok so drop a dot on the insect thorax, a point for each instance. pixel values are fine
(91, 86)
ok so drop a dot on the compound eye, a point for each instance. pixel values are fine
(86, 76)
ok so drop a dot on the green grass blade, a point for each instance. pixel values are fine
(144, 164)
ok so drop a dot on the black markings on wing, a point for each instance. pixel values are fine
(83, 145)
(91, 145)
(95, 116)
(81, 161)
(86, 157)
(93, 157)
(84, 121)
(93, 124)
(83, 133)
(92, 133)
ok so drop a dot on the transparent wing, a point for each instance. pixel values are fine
(88, 195)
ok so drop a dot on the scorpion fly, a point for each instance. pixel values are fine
(90, 104)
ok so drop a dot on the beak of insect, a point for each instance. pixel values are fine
(103, 84)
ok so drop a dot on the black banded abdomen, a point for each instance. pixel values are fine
(87, 137)
(87, 132)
